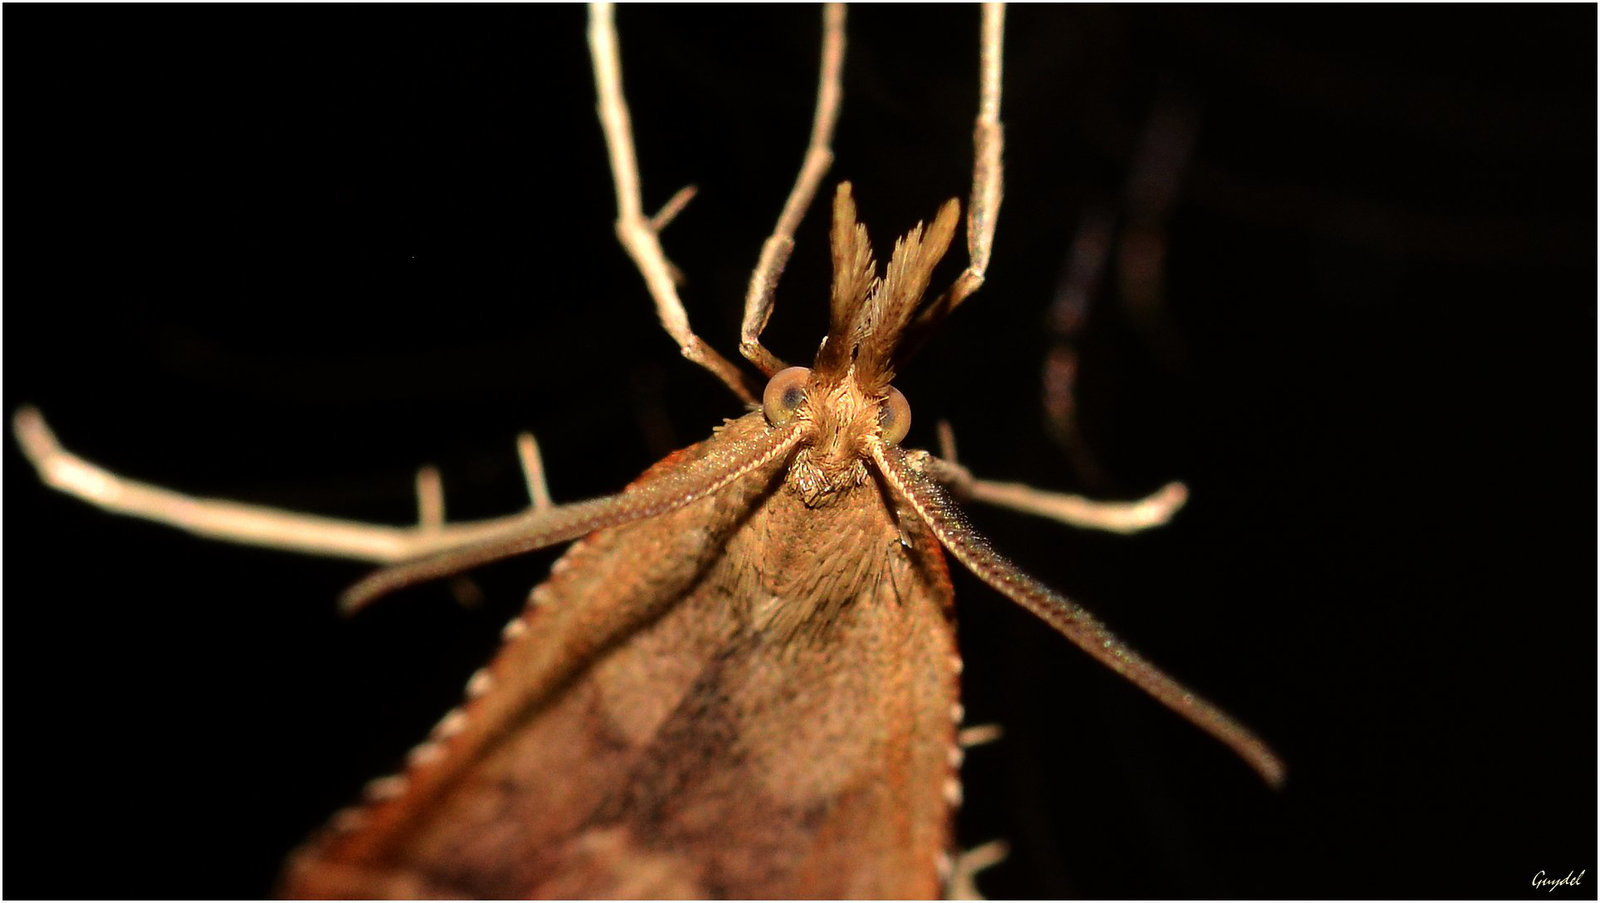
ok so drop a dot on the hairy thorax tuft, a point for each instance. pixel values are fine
(838, 422)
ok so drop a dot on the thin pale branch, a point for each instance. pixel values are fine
(430, 498)
(1153, 510)
(674, 206)
(988, 175)
(533, 471)
(819, 156)
(965, 869)
(978, 735)
(253, 525)
(635, 231)
(1069, 313)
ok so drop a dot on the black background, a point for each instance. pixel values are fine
(286, 254)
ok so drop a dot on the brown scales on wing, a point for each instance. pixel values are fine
(749, 696)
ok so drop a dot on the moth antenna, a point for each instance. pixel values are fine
(657, 494)
(940, 512)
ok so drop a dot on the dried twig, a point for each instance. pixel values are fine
(1154, 510)
(254, 525)
(637, 232)
(819, 156)
(988, 174)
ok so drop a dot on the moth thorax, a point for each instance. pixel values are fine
(821, 479)
(831, 461)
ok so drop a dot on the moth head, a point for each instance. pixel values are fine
(845, 400)
(788, 396)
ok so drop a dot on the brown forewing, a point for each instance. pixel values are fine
(742, 698)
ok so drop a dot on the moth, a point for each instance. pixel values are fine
(742, 678)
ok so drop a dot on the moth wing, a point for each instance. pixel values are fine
(825, 731)
(742, 698)
(505, 772)
(808, 755)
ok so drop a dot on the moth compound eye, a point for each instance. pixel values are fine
(785, 393)
(894, 418)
